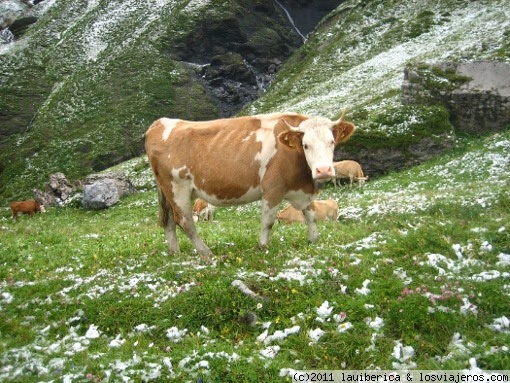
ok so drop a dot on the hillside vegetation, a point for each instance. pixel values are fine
(413, 275)
(84, 82)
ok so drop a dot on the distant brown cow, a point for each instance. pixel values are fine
(203, 209)
(29, 207)
(349, 169)
(323, 211)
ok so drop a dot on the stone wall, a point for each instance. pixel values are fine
(476, 94)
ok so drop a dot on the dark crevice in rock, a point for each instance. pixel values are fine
(236, 55)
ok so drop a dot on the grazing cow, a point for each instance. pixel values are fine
(29, 207)
(240, 160)
(203, 209)
(326, 210)
(349, 169)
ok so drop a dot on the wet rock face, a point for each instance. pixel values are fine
(236, 55)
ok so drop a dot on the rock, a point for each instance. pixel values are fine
(58, 190)
(100, 194)
(60, 186)
(122, 183)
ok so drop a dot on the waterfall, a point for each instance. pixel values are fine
(290, 19)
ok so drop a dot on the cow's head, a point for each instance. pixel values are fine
(317, 138)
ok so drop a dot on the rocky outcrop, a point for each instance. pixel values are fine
(236, 54)
(103, 190)
(97, 189)
(58, 191)
(15, 18)
(476, 94)
(377, 162)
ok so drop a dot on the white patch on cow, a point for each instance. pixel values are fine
(248, 137)
(318, 145)
(267, 219)
(169, 124)
(176, 172)
(298, 199)
(268, 150)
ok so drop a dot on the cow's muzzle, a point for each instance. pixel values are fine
(324, 173)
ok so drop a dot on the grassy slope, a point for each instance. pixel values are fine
(418, 263)
(356, 59)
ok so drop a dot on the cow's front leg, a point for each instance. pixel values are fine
(313, 232)
(268, 217)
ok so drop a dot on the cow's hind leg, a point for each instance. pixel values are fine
(188, 226)
(183, 215)
(166, 219)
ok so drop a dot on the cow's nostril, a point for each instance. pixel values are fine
(324, 170)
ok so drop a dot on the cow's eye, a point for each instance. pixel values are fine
(305, 146)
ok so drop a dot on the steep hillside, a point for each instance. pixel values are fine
(82, 84)
(356, 58)
(356, 61)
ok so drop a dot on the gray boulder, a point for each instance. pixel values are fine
(100, 195)
(122, 183)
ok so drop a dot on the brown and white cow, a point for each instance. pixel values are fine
(326, 210)
(203, 209)
(240, 160)
(29, 207)
(349, 169)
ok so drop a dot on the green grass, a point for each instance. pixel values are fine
(410, 250)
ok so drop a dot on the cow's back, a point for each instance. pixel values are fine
(325, 209)
(291, 215)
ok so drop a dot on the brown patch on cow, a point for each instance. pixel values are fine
(193, 144)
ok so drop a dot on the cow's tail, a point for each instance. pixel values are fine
(164, 209)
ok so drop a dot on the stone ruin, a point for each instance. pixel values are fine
(476, 93)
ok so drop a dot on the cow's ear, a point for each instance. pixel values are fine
(342, 131)
(291, 139)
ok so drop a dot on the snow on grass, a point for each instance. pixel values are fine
(474, 178)
(489, 166)
(467, 30)
(103, 33)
